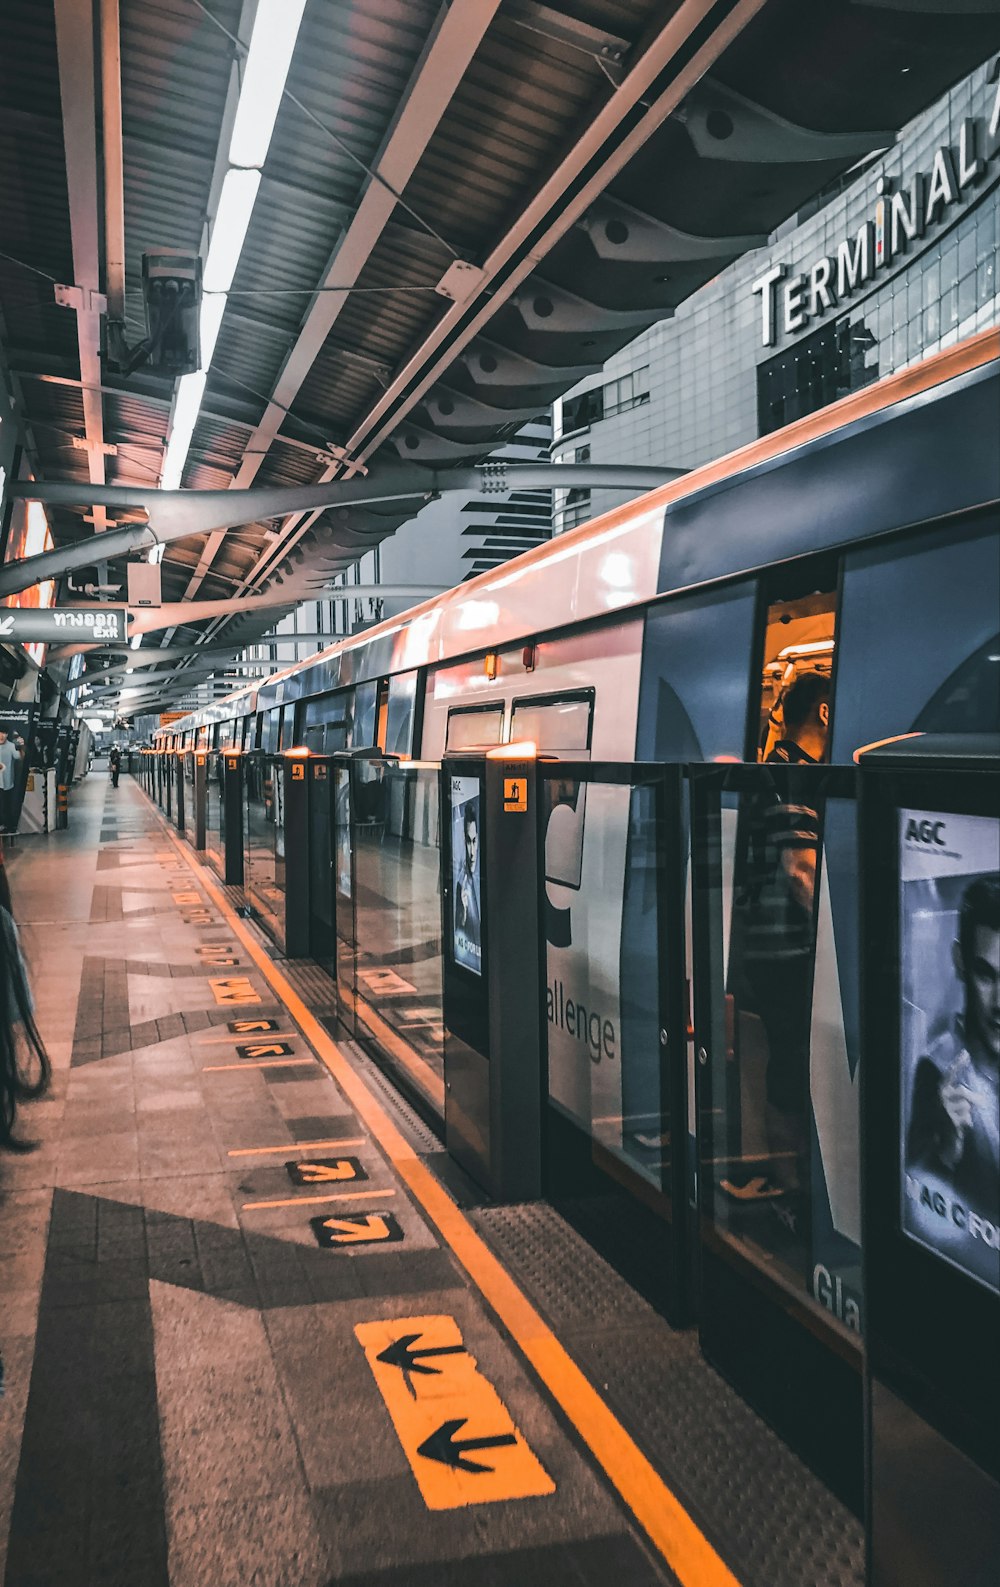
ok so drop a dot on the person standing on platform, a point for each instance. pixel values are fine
(10, 754)
(115, 765)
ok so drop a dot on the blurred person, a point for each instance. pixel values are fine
(25, 1070)
(955, 1112)
(115, 765)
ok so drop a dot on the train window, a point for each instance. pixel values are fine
(270, 738)
(468, 729)
(363, 732)
(325, 722)
(560, 724)
(400, 715)
(382, 713)
(796, 669)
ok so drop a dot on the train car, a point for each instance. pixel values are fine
(859, 542)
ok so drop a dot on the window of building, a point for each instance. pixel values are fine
(579, 412)
(629, 391)
(603, 402)
(841, 358)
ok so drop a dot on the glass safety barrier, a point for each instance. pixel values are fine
(616, 1034)
(264, 839)
(215, 831)
(395, 833)
(775, 938)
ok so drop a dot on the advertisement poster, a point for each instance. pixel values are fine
(15, 736)
(42, 751)
(950, 1037)
(466, 886)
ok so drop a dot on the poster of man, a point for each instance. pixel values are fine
(15, 736)
(950, 1037)
(467, 934)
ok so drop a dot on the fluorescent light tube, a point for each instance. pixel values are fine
(275, 29)
(232, 218)
(213, 307)
(190, 389)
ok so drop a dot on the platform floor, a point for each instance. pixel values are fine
(187, 1398)
(223, 1269)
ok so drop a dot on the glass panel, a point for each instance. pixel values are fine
(466, 729)
(214, 835)
(602, 865)
(263, 825)
(326, 721)
(271, 731)
(553, 724)
(779, 1108)
(343, 882)
(398, 922)
(363, 731)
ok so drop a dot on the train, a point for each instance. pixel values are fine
(851, 561)
(861, 540)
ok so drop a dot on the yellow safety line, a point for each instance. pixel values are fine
(308, 1201)
(256, 1063)
(294, 1146)
(656, 1508)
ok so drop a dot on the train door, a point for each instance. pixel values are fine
(773, 841)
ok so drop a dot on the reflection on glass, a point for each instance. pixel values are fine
(602, 866)
(398, 916)
(782, 1130)
(214, 805)
(264, 872)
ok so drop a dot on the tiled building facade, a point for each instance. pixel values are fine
(706, 382)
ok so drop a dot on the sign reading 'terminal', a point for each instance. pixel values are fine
(85, 625)
(902, 217)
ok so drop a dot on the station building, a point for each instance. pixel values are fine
(893, 262)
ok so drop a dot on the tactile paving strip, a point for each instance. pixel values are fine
(773, 1521)
(420, 1136)
(313, 985)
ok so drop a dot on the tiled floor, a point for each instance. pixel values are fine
(184, 1398)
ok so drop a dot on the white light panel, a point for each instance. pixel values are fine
(275, 30)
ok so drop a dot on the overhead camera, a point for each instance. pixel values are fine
(171, 295)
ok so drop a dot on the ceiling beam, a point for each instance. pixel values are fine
(114, 162)
(176, 514)
(77, 89)
(582, 175)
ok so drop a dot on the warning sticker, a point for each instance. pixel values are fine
(515, 795)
